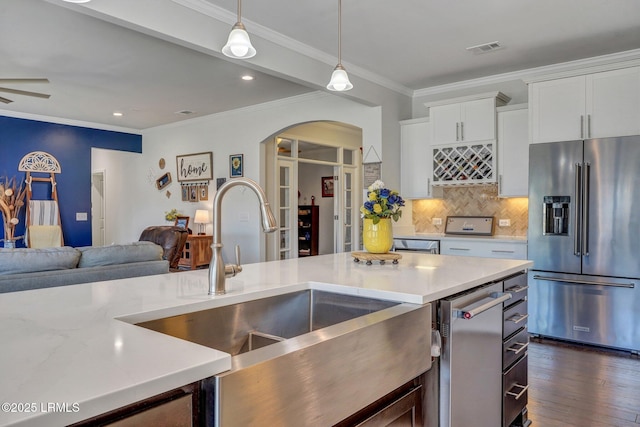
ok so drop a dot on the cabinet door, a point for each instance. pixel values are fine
(557, 110)
(478, 120)
(513, 153)
(445, 122)
(613, 103)
(416, 161)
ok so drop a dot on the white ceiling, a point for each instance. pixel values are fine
(97, 66)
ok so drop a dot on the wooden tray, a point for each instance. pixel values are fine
(369, 257)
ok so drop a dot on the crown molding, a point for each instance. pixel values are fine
(223, 15)
(69, 122)
(564, 69)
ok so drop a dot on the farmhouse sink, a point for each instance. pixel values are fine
(305, 357)
(247, 326)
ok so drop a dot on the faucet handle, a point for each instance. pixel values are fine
(238, 257)
(230, 270)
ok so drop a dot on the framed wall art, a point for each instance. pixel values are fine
(195, 167)
(163, 181)
(204, 192)
(236, 165)
(327, 186)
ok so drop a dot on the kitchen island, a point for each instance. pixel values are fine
(70, 345)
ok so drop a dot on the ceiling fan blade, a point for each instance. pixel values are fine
(5, 100)
(24, 80)
(24, 92)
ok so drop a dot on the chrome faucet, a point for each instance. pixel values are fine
(218, 271)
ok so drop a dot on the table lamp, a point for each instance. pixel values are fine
(201, 218)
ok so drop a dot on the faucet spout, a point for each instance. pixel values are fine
(218, 271)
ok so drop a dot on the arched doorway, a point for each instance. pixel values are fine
(299, 161)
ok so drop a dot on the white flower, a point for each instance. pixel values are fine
(377, 185)
(14, 221)
(8, 192)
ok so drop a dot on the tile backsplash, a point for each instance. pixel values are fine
(472, 201)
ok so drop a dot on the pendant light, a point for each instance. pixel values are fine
(238, 45)
(339, 78)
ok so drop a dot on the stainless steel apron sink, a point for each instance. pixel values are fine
(307, 357)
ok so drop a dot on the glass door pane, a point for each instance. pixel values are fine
(287, 186)
(350, 210)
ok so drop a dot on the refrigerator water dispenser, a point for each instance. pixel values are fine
(556, 215)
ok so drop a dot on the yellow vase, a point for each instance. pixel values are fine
(377, 238)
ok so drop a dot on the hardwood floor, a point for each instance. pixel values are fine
(581, 386)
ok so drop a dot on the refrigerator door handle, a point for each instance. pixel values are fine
(585, 209)
(585, 282)
(576, 210)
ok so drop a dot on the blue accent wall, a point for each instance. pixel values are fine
(71, 145)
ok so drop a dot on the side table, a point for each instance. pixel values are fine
(196, 252)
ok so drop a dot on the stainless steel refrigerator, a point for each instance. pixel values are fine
(584, 239)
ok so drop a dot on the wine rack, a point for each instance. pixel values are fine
(464, 164)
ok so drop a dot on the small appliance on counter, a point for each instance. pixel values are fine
(469, 226)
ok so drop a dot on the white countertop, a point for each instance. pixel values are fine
(66, 345)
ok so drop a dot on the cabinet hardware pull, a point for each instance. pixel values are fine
(460, 249)
(523, 345)
(581, 126)
(457, 131)
(517, 318)
(585, 282)
(461, 131)
(498, 251)
(518, 395)
(517, 288)
(496, 298)
(588, 125)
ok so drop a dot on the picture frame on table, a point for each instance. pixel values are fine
(182, 222)
(327, 186)
(236, 165)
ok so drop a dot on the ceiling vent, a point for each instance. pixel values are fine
(485, 47)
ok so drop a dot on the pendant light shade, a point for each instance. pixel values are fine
(339, 78)
(239, 45)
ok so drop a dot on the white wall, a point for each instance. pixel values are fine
(239, 131)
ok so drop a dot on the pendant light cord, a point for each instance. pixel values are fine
(339, 32)
(239, 10)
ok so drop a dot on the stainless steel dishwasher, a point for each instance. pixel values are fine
(471, 360)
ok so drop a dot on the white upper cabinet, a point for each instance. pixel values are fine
(513, 151)
(590, 106)
(613, 103)
(416, 160)
(467, 119)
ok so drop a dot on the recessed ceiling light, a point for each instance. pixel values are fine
(247, 77)
(77, 1)
(116, 113)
